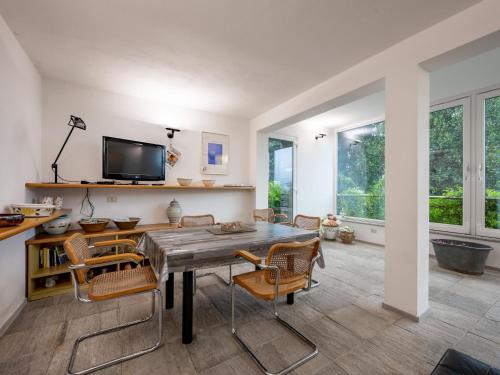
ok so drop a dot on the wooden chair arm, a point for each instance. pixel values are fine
(284, 216)
(248, 256)
(258, 217)
(116, 242)
(130, 257)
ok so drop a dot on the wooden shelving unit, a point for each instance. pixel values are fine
(42, 185)
(36, 276)
(30, 223)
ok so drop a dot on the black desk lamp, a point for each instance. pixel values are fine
(74, 122)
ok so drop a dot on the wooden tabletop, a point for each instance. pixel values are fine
(29, 223)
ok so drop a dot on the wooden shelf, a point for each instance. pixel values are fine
(42, 185)
(43, 238)
(62, 287)
(29, 223)
(50, 271)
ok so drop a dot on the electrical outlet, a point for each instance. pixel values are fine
(373, 230)
(112, 199)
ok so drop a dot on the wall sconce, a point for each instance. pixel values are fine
(171, 132)
(319, 136)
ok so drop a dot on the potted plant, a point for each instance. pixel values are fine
(346, 234)
(330, 227)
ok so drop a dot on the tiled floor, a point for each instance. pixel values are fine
(343, 316)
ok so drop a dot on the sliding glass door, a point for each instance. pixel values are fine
(488, 164)
(281, 176)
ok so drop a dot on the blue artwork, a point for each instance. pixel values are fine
(214, 153)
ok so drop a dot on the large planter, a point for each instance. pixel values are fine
(460, 256)
(330, 232)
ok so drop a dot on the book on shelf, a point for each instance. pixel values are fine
(52, 256)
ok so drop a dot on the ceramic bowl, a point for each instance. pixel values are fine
(208, 183)
(57, 226)
(124, 223)
(33, 210)
(184, 181)
(93, 225)
(7, 220)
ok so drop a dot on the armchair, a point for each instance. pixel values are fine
(108, 286)
(288, 268)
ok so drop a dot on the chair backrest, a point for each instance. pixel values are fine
(197, 221)
(77, 250)
(294, 260)
(263, 214)
(307, 222)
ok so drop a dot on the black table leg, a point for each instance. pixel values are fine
(169, 291)
(289, 298)
(187, 307)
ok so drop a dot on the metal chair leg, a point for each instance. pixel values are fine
(266, 371)
(228, 283)
(155, 294)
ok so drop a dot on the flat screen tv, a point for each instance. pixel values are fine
(123, 159)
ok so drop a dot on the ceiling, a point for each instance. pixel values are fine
(231, 57)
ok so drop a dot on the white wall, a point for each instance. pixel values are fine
(21, 123)
(131, 118)
(314, 169)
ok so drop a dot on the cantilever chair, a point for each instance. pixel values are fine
(202, 221)
(288, 268)
(110, 285)
(267, 214)
(307, 222)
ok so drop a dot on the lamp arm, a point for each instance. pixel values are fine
(64, 145)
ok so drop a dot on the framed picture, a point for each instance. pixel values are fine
(214, 153)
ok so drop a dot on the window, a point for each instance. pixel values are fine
(281, 181)
(360, 171)
(488, 164)
(449, 198)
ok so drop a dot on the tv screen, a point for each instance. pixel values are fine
(132, 160)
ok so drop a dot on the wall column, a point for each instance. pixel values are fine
(407, 190)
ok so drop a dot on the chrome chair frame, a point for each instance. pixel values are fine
(155, 293)
(298, 362)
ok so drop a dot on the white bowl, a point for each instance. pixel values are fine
(33, 210)
(208, 183)
(184, 181)
(57, 226)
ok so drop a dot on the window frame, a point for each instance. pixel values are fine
(465, 228)
(355, 219)
(480, 167)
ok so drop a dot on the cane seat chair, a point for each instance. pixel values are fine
(267, 214)
(307, 222)
(287, 269)
(197, 221)
(110, 285)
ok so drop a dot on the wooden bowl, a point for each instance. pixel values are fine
(125, 224)
(93, 225)
(7, 220)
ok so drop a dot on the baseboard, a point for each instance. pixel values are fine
(415, 318)
(12, 317)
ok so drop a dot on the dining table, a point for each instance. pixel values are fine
(189, 249)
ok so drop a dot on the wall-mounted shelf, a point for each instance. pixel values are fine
(42, 185)
(29, 223)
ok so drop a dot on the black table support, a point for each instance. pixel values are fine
(169, 292)
(187, 307)
(289, 298)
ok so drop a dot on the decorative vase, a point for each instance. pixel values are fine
(174, 212)
(330, 232)
(346, 237)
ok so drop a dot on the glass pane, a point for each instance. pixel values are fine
(446, 166)
(492, 163)
(360, 172)
(280, 193)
